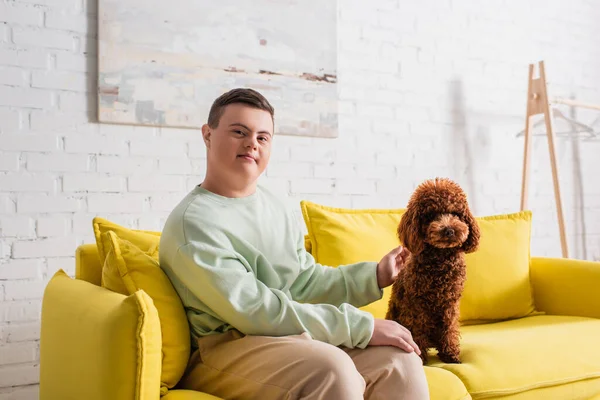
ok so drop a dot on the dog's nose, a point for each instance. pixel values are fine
(449, 232)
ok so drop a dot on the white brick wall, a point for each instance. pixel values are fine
(43, 38)
(14, 96)
(426, 88)
(21, 269)
(19, 14)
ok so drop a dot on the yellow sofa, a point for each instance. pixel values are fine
(98, 344)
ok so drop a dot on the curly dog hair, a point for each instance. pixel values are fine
(437, 228)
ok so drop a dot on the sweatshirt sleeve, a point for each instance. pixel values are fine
(355, 284)
(229, 289)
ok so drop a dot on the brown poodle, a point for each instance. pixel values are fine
(437, 229)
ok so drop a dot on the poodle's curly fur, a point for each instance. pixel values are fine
(437, 229)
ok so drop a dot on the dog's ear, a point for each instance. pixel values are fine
(409, 231)
(472, 242)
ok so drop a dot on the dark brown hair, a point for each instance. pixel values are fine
(249, 97)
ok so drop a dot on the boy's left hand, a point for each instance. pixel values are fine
(390, 266)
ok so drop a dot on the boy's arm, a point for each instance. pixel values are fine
(355, 284)
(220, 281)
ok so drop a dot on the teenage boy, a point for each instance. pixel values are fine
(267, 321)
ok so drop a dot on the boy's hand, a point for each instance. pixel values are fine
(391, 333)
(390, 265)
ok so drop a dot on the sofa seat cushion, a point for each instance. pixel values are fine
(181, 394)
(444, 385)
(543, 352)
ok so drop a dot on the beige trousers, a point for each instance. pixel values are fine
(234, 366)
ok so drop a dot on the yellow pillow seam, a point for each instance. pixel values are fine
(143, 308)
(121, 264)
(540, 385)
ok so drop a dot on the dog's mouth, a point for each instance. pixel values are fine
(447, 231)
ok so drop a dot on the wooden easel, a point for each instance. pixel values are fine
(538, 102)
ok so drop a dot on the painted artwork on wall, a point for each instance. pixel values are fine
(162, 63)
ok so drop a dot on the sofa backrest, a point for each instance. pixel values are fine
(87, 264)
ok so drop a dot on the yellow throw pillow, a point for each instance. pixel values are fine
(340, 236)
(129, 269)
(497, 284)
(147, 241)
(96, 344)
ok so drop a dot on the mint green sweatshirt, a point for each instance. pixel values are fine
(240, 263)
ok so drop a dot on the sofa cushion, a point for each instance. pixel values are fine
(539, 354)
(497, 285)
(96, 344)
(444, 385)
(182, 394)
(127, 270)
(148, 241)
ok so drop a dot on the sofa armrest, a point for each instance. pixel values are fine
(566, 286)
(180, 394)
(96, 344)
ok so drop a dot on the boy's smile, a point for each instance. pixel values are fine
(247, 157)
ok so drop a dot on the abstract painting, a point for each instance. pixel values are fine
(162, 63)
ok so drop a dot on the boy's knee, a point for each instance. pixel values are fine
(411, 361)
(407, 369)
(334, 361)
(333, 371)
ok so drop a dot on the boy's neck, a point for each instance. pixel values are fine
(227, 190)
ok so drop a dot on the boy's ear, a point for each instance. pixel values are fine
(206, 134)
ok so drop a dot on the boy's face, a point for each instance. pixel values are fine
(239, 148)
